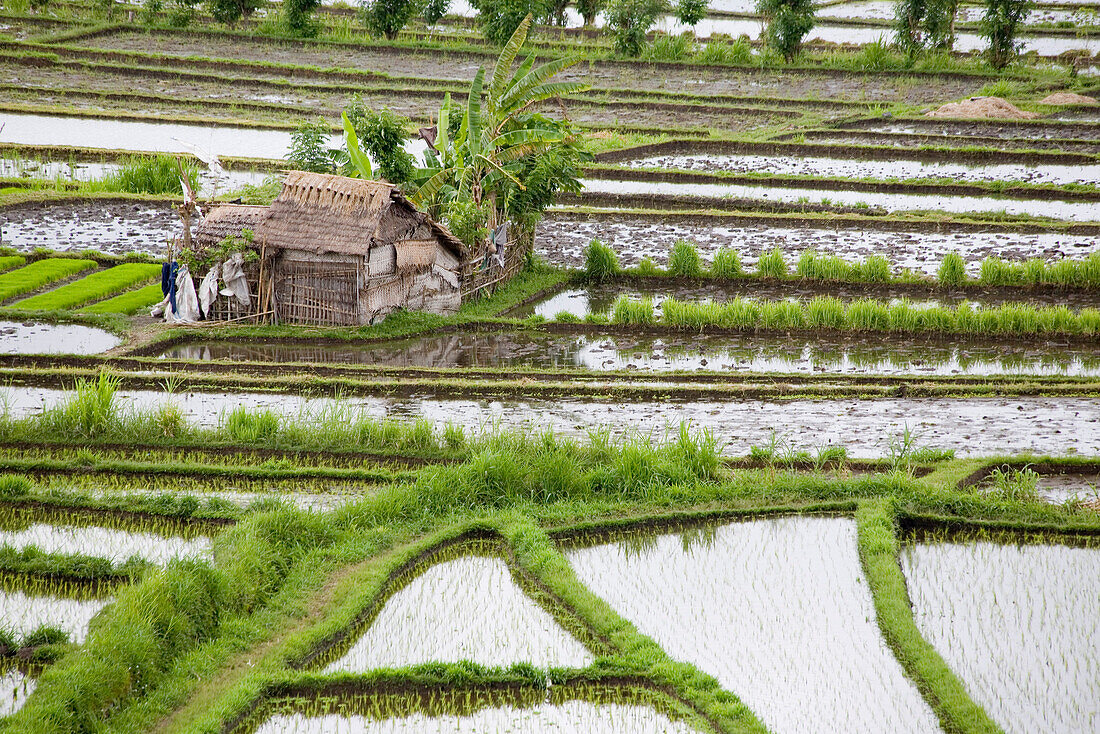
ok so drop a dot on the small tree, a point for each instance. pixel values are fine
(297, 18)
(630, 21)
(999, 27)
(939, 24)
(150, 11)
(589, 9)
(308, 148)
(787, 23)
(229, 12)
(434, 10)
(908, 19)
(690, 12)
(382, 133)
(182, 13)
(499, 19)
(387, 17)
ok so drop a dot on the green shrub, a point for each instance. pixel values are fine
(772, 265)
(630, 20)
(296, 18)
(726, 264)
(646, 267)
(669, 48)
(952, 271)
(467, 221)
(786, 23)
(387, 17)
(600, 262)
(684, 260)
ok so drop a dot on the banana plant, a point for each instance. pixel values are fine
(489, 146)
(359, 160)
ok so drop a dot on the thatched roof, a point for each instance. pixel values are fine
(227, 221)
(321, 213)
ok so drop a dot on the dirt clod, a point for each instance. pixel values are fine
(982, 108)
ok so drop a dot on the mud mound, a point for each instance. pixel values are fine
(993, 108)
(1069, 98)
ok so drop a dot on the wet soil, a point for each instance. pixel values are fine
(601, 75)
(114, 227)
(1034, 129)
(562, 238)
(903, 140)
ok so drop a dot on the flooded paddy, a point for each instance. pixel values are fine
(112, 227)
(468, 608)
(32, 337)
(15, 686)
(1028, 130)
(546, 718)
(970, 426)
(562, 239)
(1061, 488)
(117, 546)
(777, 610)
(1017, 624)
(22, 613)
(695, 352)
(69, 172)
(855, 168)
(1064, 210)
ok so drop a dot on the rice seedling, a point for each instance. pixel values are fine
(868, 315)
(15, 686)
(7, 262)
(726, 264)
(825, 312)
(600, 262)
(632, 312)
(646, 267)
(771, 264)
(114, 545)
(875, 269)
(791, 576)
(94, 287)
(43, 272)
(128, 303)
(1016, 622)
(437, 618)
(24, 613)
(683, 261)
(952, 271)
(157, 174)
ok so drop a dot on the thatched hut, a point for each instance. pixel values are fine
(342, 251)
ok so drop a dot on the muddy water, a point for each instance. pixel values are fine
(1036, 130)
(21, 613)
(117, 546)
(906, 140)
(562, 238)
(465, 609)
(1017, 624)
(601, 298)
(571, 716)
(885, 10)
(29, 337)
(15, 686)
(970, 426)
(855, 168)
(1065, 210)
(1060, 488)
(113, 227)
(65, 171)
(777, 610)
(851, 356)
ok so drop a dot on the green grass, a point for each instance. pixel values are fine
(726, 264)
(631, 312)
(128, 303)
(37, 274)
(600, 262)
(683, 261)
(94, 287)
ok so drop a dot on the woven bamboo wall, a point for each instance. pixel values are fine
(318, 289)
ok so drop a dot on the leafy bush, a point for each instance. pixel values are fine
(600, 262)
(309, 147)
(467, 221)
(589, 9)
(383, 134)
(726, 264)
(998, 26)
(150, 11)
(952, 270)
(630, 20)
(229, 12)
(182, 13)
(434, 10)
(388, 17)
(297, 18)
(788, 21)
(684, 260)
(690, 12)
(499, 19)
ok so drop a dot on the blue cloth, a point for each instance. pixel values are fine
(165, 277)
(172, 286)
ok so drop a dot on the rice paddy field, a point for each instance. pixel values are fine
(790, 423)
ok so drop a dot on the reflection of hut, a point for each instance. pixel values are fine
(343, 251)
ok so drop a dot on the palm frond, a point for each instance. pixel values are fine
(507, 58)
